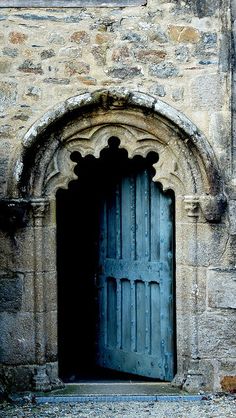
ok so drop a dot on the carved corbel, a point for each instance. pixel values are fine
(13, 214)
(213, 207)
(191, 205)
(39, 207)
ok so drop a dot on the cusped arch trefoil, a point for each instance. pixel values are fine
(85, 123)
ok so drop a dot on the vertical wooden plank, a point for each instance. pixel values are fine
(147, 319)
(111, 313)
(119, 315)
(103, 232)
(126, 224)
(155, 221)
(126, 314)
(146, 215)
(133, 217)
(155, 319)
(118, 222)
(133, 315)
(139, 217)
(103, 313)
(111, 225)
(140, 317)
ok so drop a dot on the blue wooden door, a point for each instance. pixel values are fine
(135, 332)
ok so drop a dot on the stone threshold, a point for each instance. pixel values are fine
(119, 398)
(117, 392)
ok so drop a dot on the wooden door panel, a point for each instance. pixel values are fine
(136, 278)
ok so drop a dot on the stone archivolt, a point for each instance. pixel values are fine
(85, 123)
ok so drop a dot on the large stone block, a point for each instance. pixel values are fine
(8, 94)
(51, 342)
(23, 249)
(16, 338)
(17, 378)
(217, 334)
(11, 289)
(207, 92)
(207, 249)
(221, 288)
(232, 217)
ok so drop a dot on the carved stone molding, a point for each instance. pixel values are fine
(39, 207)
(143, 124)
(213, 207)
(191, 205)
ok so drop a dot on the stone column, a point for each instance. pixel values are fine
(41, 380)
(194, 378)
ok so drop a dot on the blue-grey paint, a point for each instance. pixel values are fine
(135, 332)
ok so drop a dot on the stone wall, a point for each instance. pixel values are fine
(176, 51)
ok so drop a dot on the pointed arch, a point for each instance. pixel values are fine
(84, 123)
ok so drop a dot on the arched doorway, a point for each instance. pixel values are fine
(186, 165)
(115, 270)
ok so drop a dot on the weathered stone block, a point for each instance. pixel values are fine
(209, 248)
(79, 67)
(47, 53)
(158, 90)
(8, 93)
(185, 34)
(177, 94)
(99, 53)
(121, 54)
(80, 37)
(150, 56)
(28, 293)
(182, 53)
(124, 72)
(17, 378)
(56, 38)
(70, 52)
(23, 249)
(51, 343)
(221, 286)
(20, 349)
(29, 67)
(207, 92)
(17, 37)
(232, 216)
(5, 66)
(217, 334)
(11, 289)
(163, 70)
(10, 52)
(228, 384)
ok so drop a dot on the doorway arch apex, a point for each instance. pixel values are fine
(85, 122)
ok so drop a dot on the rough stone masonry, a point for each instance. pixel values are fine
(158, 73)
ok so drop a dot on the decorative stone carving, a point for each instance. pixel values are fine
(157, 127)
(213, 207)
(191, 204)
(13, 214)
(39, 207)
(41, 380)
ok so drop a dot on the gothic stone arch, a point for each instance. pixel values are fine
(186, 165)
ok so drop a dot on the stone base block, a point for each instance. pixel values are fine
(30, 377)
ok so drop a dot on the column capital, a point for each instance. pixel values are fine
(191, 205)
(39, 207)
